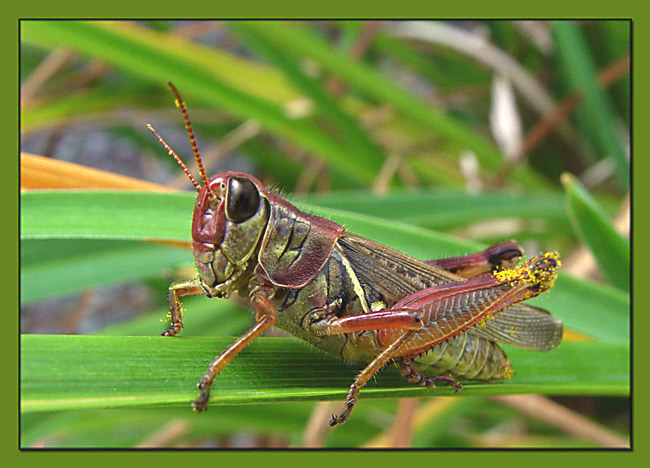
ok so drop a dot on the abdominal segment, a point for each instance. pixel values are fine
(468, 357)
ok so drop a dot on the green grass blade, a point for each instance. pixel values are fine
(96, 214)
(614, 40)
(53, 268)
(126, 215)
(74, 372)
(328, 108)
(445, 209)
(445, 72)
(581, 75)
(305, 43)
(95, 102)
(611, 250)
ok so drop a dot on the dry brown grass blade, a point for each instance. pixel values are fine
(166, 435)
(424, 415)
(400, 434)
(568, 421)
(48, 67)
(38, 172)
(318, 425)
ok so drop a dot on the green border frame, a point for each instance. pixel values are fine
(276, 9)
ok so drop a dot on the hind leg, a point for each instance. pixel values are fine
(499, 256)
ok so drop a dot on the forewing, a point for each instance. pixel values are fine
(392, 273)
(396, 275)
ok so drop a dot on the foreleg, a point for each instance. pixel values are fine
(176, 291)
(265, 315)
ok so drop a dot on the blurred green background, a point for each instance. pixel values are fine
(436, 138)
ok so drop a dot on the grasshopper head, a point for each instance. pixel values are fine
(230, 216)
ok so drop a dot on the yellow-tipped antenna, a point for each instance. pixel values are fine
(178, 160)
(190, 132)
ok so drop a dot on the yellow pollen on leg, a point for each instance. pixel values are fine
(525, 274)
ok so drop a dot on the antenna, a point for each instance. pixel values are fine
(190, 132)
(178, 160)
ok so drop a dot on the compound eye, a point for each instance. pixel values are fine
(242, 199)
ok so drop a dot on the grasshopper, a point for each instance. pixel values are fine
(355, 298)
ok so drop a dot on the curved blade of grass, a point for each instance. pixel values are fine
(305, 43)
(74, 372)
(483, 52)
(581, 75)
(446, 73)
(353, 135)
(209, 75)
(596, 311)
(611, 250)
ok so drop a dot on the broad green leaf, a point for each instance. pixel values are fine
(65, 372)
(146, 216)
